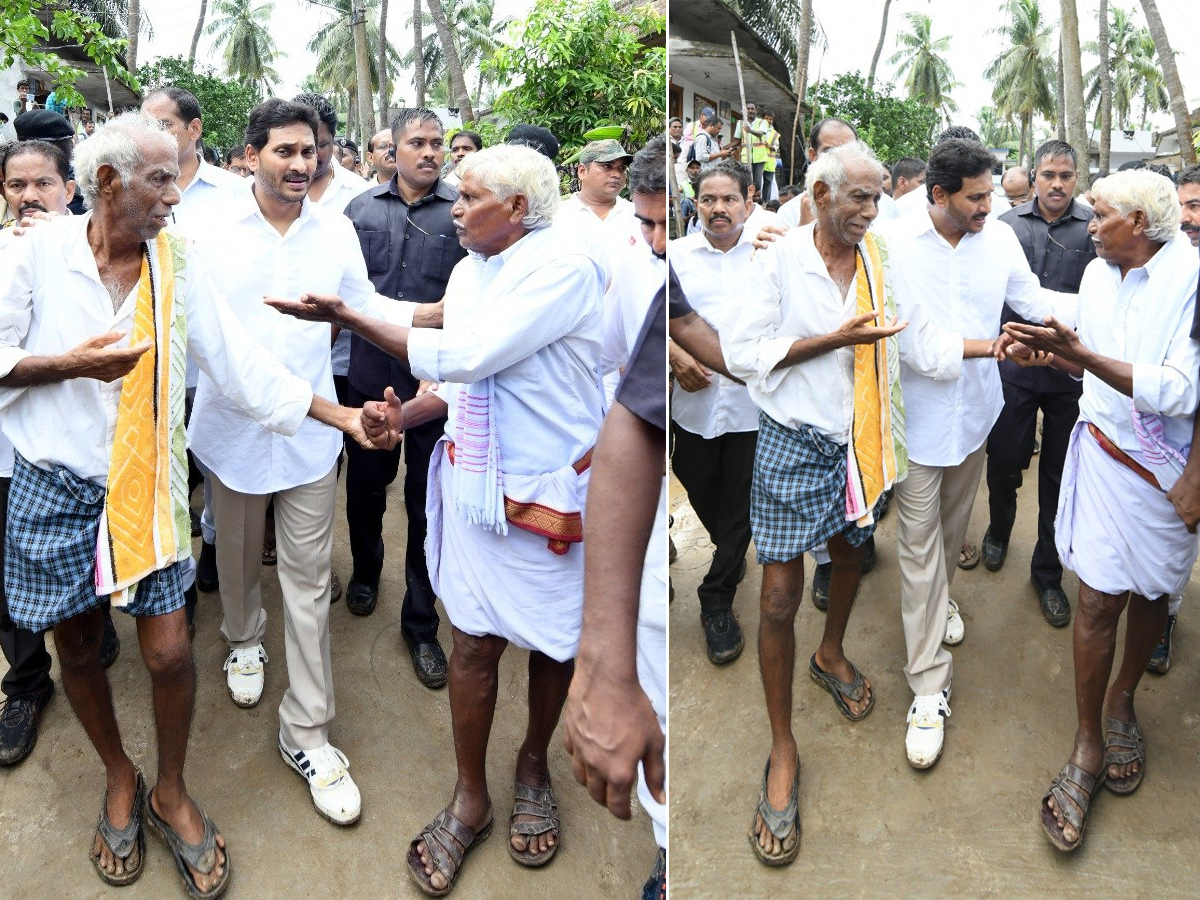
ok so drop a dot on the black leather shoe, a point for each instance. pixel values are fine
(190, 599)
(110, 644)
(335, 588)
(206, 568)
(429, 662)
(869, 558)
(361, 598)
(820, 587)
(196, 529)
(994, 551)
(18, 724)
(1056, 609)
(1160, 662)
(723, 637)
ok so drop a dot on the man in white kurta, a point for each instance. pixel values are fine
(1116, 527)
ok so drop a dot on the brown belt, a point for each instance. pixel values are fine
(1121, 456)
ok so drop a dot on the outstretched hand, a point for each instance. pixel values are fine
(859, 330)
(97, 358)
(1053, 337)
(311, 308)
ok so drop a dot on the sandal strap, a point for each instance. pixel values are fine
(534, 801)
(779, 822)
(1074, 785)
(1123, 742)
(122, 841)
(447, 840)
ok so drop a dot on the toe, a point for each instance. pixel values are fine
(437, 881)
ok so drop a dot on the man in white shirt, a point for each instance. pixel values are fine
(274, 242)
(813, 335)
(332, 185)
(1117, 528)
(714, 421)
(518, 356)
(602, 171)
(953, 277)
(99, 486)
(908, 174)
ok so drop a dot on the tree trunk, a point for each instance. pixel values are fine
(1023, 143)
(879, 46)
(418, 53)
(1061, 115)
(362, 68)
(458, 85)
(196, 33)
(801, 85)
(1105, 93)
(134, 26)
(1077, 133)
(384, 82)
(1166, 59)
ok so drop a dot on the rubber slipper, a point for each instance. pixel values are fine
(121, 842)
(842, 690)
(202, 857)
(784, 824)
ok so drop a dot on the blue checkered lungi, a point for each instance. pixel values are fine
(50, 552)
(798, 492)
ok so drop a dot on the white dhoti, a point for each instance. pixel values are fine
(652, 649)
(1115, 530)
(512, 586)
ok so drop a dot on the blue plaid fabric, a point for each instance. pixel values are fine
(798, 492)
(50, 551)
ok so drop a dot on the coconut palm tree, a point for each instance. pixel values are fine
(458, 83)
(1132, 69)
(478, 34)
(879, 47)
(337, 63)
(1023, 75)
(1106, 98)
(1076, 116)
(927, 76)
(418, 41)
(250, 50)
(199, 30)
(1178, 99)
(777, 22)
(381, 65)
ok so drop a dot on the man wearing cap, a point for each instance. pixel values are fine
(692, 131)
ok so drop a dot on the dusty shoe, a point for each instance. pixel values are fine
(327, 771)
(245, 673)
(955, 630)
(927, 728)
(820, 586)
(18, 723)
(723, 637)
(1160, 661)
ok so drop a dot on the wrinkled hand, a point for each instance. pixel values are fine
(30, 220)
(688, 372)
(610, 727)
(429, 315)
(1025, 357)
(767, 234)
(1185, 496)
(97, 358)
(1053, 337)
(379, 423)
(859, 330)
(311, 308)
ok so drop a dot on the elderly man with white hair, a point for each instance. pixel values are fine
(97, 315)
(518, 357)
(814, 342)
(1117, 528)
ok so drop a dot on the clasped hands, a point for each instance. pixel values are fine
(1037, 345)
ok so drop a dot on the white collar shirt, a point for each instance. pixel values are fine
(537, 330)
(210, 193)
(788, 296)
(1144, 319)
(949, 294)
(52, 300)
(715, 282)
(626, 303)
(343, 188)
(250, 260)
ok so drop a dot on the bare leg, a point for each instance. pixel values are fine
(782, 587)
(168, 656)
(1143, 627)
(847, 572)
(474, 676)
(548, 684)
(77, 641)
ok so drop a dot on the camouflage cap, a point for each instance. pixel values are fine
(603, 151)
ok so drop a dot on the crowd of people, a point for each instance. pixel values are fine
(177, 361)
(887, 338)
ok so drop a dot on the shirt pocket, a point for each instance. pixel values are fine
(1065, 267)
(376, 250)
(439, 255)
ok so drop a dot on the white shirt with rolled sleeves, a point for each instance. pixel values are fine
(52, 300)
(625, 306)
(1146, 320)
(790, 296)
(248, 259)
(948, 294)
(715, 284)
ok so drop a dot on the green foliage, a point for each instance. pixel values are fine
(225, 104)
(890, 126)
(578, 64)
(920, 59)
(22, 32)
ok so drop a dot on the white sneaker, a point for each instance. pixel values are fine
(955, 631)
(325, 768)
(244, 674)
(927, 728)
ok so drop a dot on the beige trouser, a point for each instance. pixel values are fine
(304, 543)
(934, 503)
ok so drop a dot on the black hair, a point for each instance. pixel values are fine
(954, 160)
(473, 136)
(814, 134)
(185, 102)
(789, 190)
(419, 115)
(234, 153)
(907, 167)
(210, 155)
(648, 171)
(674, 119)
(1190, 175)
(773, 205)
(277, 113)
(768, 112)
(37, 148)
(323, 108)
(958, 132)
(1054, 148)
(730, 168)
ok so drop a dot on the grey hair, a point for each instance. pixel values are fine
(508, 169)
(115, 144)
(1148, 191)
(830, 167)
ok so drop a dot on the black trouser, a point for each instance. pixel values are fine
(716, 474)
(768, 181)
(756, 172)
(368, 474)
(25, 650)
(1009, 451)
